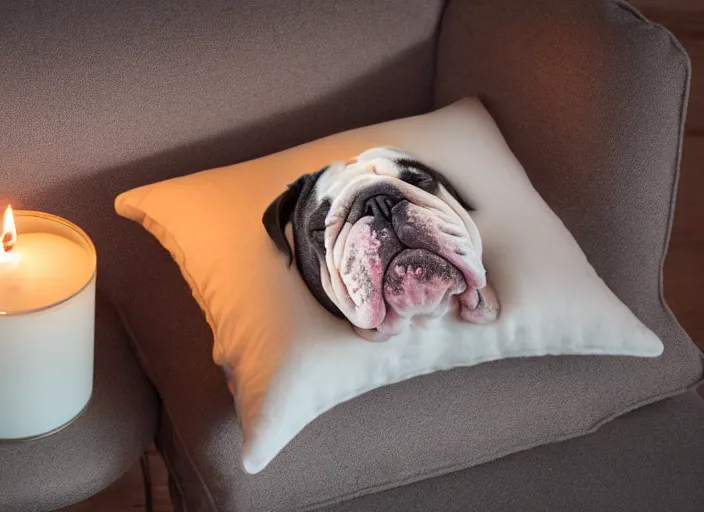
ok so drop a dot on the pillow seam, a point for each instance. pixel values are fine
(164, 236)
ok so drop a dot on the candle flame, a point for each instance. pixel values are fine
(9, 231)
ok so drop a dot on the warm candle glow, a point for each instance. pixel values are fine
(47, 317)
(9, 232)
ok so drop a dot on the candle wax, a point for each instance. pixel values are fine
(41, 270)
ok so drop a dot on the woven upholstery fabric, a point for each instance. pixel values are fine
(100, 445)
(100, 97)
(364, 445)
(591, 98)
(646, 461)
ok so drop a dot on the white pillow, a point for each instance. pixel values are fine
(288, 361)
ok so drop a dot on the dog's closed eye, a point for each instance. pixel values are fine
(426, 178)
(422, 181)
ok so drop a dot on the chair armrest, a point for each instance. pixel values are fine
(591, 97)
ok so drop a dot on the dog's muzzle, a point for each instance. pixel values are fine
(395, 253)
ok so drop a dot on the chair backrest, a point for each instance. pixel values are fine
(97, 97)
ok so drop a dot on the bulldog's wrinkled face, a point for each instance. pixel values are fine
(383, 240)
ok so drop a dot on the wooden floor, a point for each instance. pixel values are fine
(684, 272)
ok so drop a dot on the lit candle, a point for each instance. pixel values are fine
(47, 314)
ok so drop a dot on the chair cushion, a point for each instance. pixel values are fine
(100, 445)
(646, 461)
(393, 435)
(279, 347)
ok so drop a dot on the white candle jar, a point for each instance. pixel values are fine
(47, 318)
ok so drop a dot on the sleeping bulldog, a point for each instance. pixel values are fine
(384, 240)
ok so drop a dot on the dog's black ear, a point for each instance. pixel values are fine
(279, 213)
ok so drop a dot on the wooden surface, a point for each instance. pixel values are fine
(684, 270)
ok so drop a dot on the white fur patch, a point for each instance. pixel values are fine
(336, 178)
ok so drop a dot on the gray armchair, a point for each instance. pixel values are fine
(100, 97)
